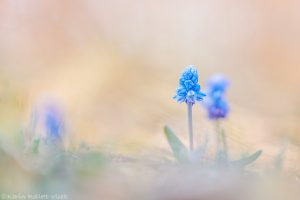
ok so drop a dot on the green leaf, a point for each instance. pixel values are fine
(221, 159)
(279, 160)
(179, 150)
(91, 163)
(222, 151)
(35, 146)
(247, 160)
(198, 155)
(225, 146)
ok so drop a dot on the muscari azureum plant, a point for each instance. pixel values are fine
(51, 120)
(189, 92)
(50, 144)
(217, 108)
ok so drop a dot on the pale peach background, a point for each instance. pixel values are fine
(114, 65)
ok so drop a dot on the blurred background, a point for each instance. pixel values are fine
(114, 67)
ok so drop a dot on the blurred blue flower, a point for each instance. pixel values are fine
(53, 121)
(215, 103)
(217, 86)
(217, 108)
(189, 88)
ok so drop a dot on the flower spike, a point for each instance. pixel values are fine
(189, 88)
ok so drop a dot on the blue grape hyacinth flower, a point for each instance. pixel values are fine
(215, 103)
(217, 86)
(217, 108)
(53, 122)
(189, 88)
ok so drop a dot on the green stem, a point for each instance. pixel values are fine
(190, 122)
(221, 140)
(225, 146)
(217, 129)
